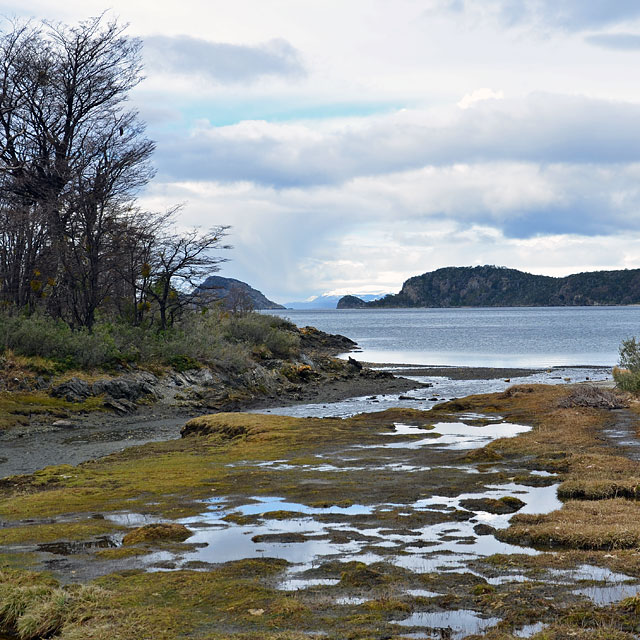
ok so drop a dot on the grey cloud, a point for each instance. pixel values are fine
(569, 15)
(222, 62)
(541, 129)
(615, 41)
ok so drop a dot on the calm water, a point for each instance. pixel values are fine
(493, 337)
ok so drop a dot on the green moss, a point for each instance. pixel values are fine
(122, 552)
(72, 531)
(17, 407)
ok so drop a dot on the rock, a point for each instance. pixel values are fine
(120, 406)
(484, 530)
(305, 359)
(202, 377)
(73, 390)
(128, 388)
(63, 424)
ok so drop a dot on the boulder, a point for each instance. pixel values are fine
(126, 388)
(73, 390)
(122, 405)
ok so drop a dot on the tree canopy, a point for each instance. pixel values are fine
(73, 158)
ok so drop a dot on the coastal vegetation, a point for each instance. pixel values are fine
(237, 459)
(627, 375)
(91, 285)
(490, 286)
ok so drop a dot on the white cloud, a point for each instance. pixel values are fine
(542, 129)
(479, 95)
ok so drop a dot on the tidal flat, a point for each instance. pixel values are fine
(501, 515)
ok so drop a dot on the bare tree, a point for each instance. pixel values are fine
(179, 262)
(68, 147)
(238, 300)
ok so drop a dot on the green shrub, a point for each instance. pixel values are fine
(627, 377)
(282, 343)
(627, 380)
(630, 355)
(215, 338)
(183, 363)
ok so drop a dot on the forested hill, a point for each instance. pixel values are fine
(491, 286)
(234, 292)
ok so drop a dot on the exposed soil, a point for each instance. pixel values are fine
(38, 444)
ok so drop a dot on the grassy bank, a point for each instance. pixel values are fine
(229, 359)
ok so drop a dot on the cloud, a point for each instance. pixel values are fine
(566, 15)
(615, 41)
(221, 62)
(373, 232)
(541, 128)
(478, 96)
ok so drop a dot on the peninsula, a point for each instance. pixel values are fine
(491, 286)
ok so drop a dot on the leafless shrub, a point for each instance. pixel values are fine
(589, 395)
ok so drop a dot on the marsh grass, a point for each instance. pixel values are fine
(164, 531)
(172, 479)
(73, 531)
(602, 524)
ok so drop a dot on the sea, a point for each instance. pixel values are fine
(535, 337)
(554, 345)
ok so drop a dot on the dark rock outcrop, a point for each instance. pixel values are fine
(313, 340)
(127, 388)
(73, 390)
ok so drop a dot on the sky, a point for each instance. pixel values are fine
(352, 144)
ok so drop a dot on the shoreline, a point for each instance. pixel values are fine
(26, 449)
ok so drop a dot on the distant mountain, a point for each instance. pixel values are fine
(234, 293)
(491, 286)
(326, 302)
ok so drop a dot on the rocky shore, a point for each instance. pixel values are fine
(74, 418)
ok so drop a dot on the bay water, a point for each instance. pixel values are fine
(558, 345)
(530, 337)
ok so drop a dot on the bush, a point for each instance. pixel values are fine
(630, 355)
(183, 363)
(257, 330)
(627, 376)
(627, 380)
(216, 338)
